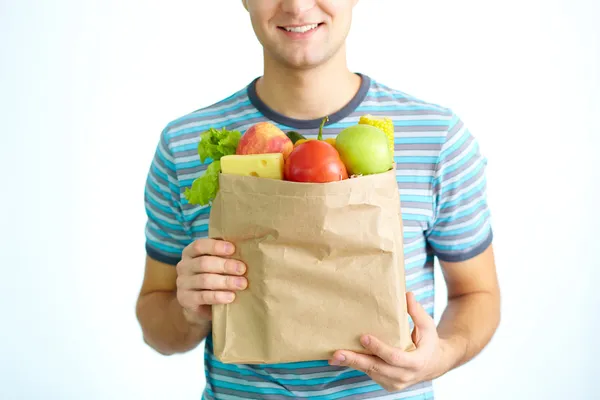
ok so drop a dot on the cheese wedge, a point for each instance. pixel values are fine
(260, 165)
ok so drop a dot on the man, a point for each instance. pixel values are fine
(442, 185)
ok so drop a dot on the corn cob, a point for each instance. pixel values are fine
(383, 123)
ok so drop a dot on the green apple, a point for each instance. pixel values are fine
(364, 150)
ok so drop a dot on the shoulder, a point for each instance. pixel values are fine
(182, 133)
(417, 121)
(401, 100)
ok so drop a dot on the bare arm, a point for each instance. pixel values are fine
(160, 315)
(174, 308)
(473, 311)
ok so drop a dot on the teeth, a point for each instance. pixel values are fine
(301, 29)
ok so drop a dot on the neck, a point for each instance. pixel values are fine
(307, 94)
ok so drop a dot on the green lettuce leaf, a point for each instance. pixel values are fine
(216, 143)
(204, 188)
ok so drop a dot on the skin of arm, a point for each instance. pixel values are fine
(160, 315)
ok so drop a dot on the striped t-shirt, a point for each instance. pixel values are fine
(440, 174)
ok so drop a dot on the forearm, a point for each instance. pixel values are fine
(164, 326)
(466, 327)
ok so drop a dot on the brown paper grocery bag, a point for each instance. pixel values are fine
(325, 265)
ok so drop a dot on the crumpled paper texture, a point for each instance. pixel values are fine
(325, 265)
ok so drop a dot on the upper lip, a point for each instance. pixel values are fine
(299, 25)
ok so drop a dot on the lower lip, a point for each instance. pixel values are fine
(300, 35)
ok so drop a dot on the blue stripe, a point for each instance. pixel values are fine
(461, 181)
(471, 227)
(415, 160)
(157, 172)
(459, 164)
(465, 196)
(186, 147)
(169, 164)
(159, 206)
(165, 248)
(413, 246)
(424, 295)
(297, 381)
(414, 217)
(192, 216)
(201, 128)
(464, 213)
(444, 153)
(416, 199)
(461, 247)
(423, 260)
(428, 276)
(195, 164)
(419, 140)
(161, 222)
(413, 179)
(200, 229)
(282, 392)
(202, 112)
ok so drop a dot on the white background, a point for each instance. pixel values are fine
(87, 86)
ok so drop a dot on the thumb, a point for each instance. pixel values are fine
(424, 324)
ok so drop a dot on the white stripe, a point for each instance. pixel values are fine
(461, 174)
(184, 177)
(193, 157)
(161, 218)
(461, 208)
(416, 153)
(424, 289)
(464, 154)
(161, 239)
(415, 192)
(414, 172)
(458, 242)
(456, 137)
(472, 219)
(205, 124)
(200, 221)
(417, 211)
(170, 178)
(404, 395)
(158, 200)
(216, 107)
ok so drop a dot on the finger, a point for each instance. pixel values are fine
(391, 355)
(370, 365)
(193, 299)
(207, 246)
(216, 265)
(423, 321)
(212, 282)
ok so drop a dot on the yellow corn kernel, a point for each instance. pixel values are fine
(331, 141)
(383, 123)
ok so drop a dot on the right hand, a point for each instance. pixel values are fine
(205, 277)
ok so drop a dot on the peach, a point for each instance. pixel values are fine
(264, 138)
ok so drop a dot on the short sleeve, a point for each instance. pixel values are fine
(461, 228)
(165, 232)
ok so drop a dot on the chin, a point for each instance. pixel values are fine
(300, 60)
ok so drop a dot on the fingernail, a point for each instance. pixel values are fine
(229, 297)
(338, 359)
(240, 283)
(240, 268)
(228, 247)
(366, 340)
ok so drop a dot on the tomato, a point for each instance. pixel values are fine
(314, 161)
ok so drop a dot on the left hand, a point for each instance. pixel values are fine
(395, 369)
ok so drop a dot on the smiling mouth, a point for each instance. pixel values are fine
(300, 28)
